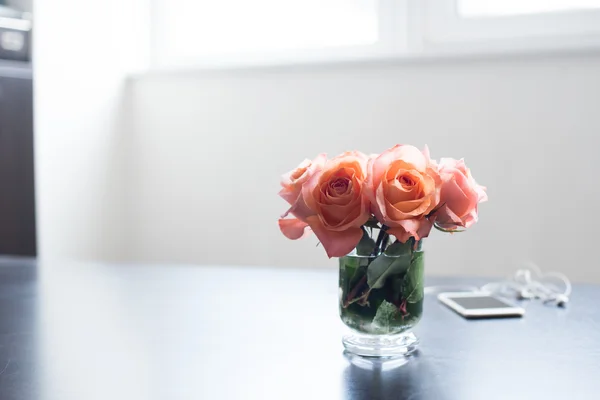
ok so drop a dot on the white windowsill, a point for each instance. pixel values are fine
(539, 47)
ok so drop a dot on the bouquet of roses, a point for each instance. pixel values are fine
(401, 192)
(379, 207)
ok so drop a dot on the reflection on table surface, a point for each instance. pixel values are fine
(98, 331)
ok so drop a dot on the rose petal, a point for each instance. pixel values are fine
(481, 194)
(309, 188)
(471, 219)
(399, 193)
(293, 181)
(454, 196)
(418, 228)
(341, 200)
(339, 213)
(293, 228)
(300, 209)
(354, 220)
(295, 174)
(400, 234)
(380, 209)
(394, 212)
(426, 152)
(289, 196)
(336, 243)
(447, 219)
(413, 156)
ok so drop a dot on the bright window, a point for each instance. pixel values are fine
(495, 8)
(188, 29)
(190, 33)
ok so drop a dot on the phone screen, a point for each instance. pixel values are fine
(471, 303)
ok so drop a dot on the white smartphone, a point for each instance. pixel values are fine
(479, 305)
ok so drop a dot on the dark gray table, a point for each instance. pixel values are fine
(87, 332)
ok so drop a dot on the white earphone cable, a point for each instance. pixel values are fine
(527, 282)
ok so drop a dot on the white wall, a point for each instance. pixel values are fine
(209, 149)
(81, 60)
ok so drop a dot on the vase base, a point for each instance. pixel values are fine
(401, 345)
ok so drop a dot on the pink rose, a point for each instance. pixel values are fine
(403, 187)
(292, 181)
(291, 184)
(459, 196)
(333, 204)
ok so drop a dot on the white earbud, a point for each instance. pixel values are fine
(531, 283)
(559, 300)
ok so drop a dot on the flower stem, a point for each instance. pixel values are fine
(456, 230)
(385, 243)
(354, 291)
(380, 237)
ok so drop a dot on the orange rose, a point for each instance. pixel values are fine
(403, 188)
(333, 203)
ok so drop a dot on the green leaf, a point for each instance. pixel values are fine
(412, 286)
(385, 316)
(415, 311)
(349, 262)
(398, 248)
(383, 267)
(358, 275)
(366, 245)
(348, 269)
(353, 271)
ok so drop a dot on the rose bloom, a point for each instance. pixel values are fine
(333, 204)
(291, 184)
(403, 188)
(292, 181)
(459, 196)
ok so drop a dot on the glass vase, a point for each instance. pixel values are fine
(381, 300)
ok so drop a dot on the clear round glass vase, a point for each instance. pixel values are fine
(381, 300)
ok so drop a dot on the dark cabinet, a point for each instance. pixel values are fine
(17, 193)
